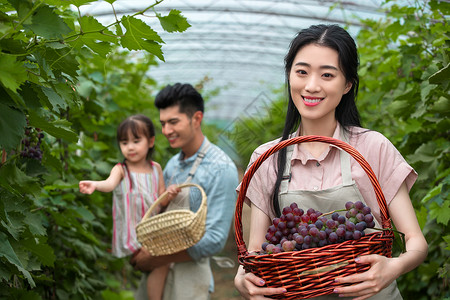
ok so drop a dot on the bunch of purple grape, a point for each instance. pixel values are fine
(31, 144)
(296, 230)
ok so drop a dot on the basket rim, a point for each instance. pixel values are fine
(386, 222)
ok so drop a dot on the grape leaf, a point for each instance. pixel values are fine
(425, 152)
(440, 213)
(7, 252)
(46, 23)
(12, 45)
(95, 36)
(50, 128)
(447, 240)
(84, 213)
(67, 91)
(174, 21)
(139, 36)
(57, 60)
(153, 48)
(22, 7)
(54, 99)
(12, 127)
(422, 216)
(440, 76)
(40, 249)
(12, 72)
(58, 3)
(14, 224)
(30, 96)
(119, 30)
(34, 222)
(4, 273)
(137, 30)
(16, 180)
(432, 193)
(79, 3)
(441, 105)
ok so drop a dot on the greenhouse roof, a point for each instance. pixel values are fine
(238, 44)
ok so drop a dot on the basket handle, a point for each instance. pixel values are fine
(164, 195)
(386, 222)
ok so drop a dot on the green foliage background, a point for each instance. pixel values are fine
(404, 94)
(76, 79)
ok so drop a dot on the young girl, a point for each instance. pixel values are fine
(322, 83)
(136, 184)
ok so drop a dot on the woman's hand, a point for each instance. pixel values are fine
(251, 287)
(383, 271)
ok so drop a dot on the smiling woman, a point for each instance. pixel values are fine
(322, 80)
(317, 84)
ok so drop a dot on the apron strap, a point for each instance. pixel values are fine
(201, 154)
(346, 170)
(284, 184)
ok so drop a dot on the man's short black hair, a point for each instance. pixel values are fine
(184, 95)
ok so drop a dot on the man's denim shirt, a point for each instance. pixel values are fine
(217, 175)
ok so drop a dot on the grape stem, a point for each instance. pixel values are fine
(332, 212)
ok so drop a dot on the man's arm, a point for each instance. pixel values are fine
(142, 260)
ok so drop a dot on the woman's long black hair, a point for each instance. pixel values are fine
(346, 114)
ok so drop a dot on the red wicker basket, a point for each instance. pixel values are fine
(310, 272)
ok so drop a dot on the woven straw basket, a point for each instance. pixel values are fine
(172, 231)
(310, 272)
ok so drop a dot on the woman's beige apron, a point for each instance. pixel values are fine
(190, 279)
(328, 200)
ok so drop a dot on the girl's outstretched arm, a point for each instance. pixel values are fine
(107, 185)
(384, 270)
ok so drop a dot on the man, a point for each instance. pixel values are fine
(199, 161)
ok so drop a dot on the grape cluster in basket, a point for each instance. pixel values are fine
(296, 230)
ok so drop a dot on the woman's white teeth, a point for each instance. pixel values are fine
(312, 100)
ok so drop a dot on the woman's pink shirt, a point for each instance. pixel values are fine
(310, 173)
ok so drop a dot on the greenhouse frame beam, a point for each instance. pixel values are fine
(235, 10)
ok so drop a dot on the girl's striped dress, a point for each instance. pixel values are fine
(131, 199)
